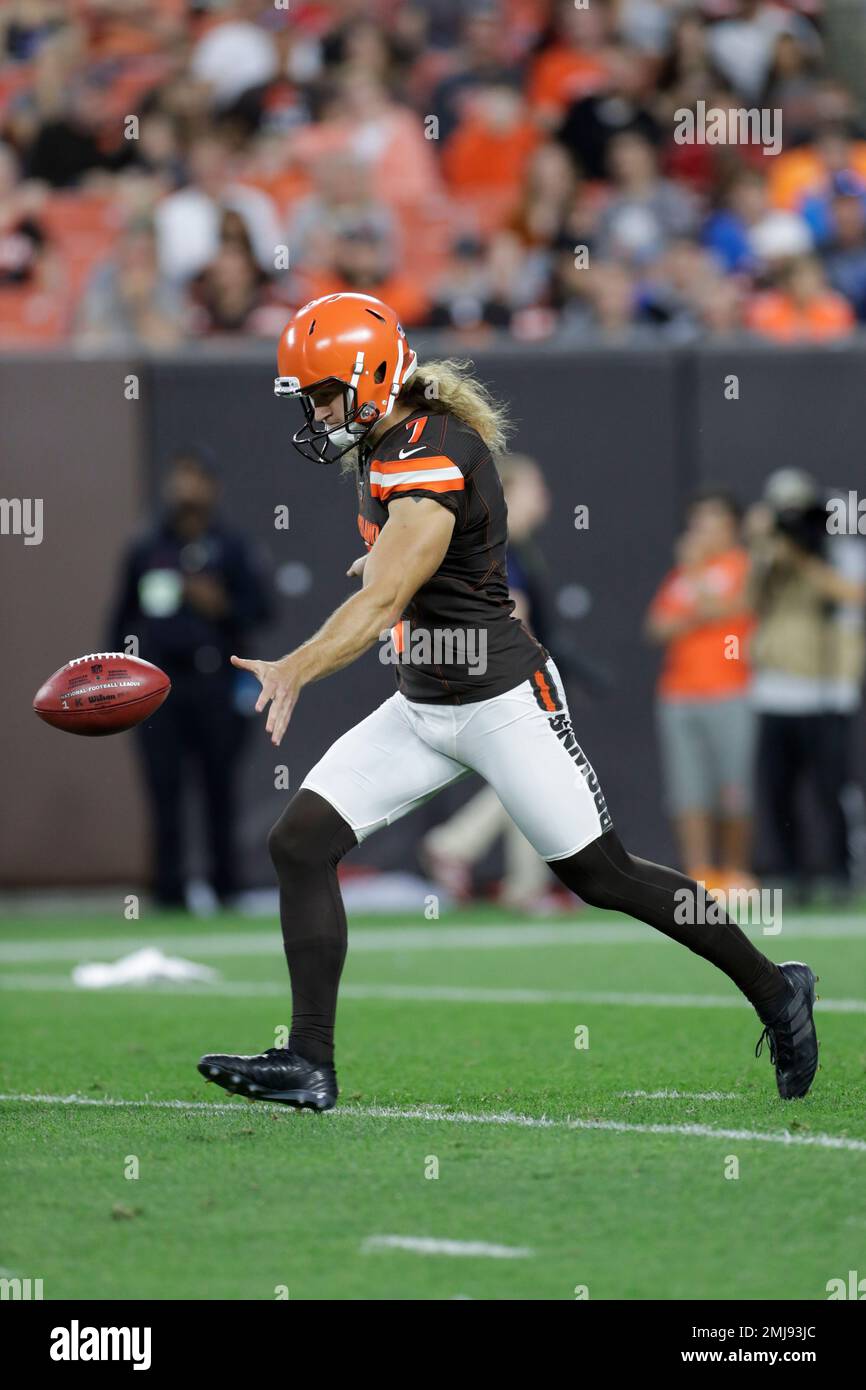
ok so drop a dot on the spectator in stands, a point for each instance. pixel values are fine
(363, 260)
(343, 194)
(232, 293)
(603, 306)
(525, 247)
(644, 25)
(189, 592)
(67, 146)
(157, 150)
(620, 105)
(845, 250)
(128, 303)
(547, 198)
(802, 308)
(362, 40)
(818, 208)
(687, 73)
(361, 118)
(720, 307)
(743, 47)
(188, 221)
(808, 590)
(491, 147)
(802, 177)
(706, 728)
(234, 55)
(745, 234)
(479, 61)
(468, 300)
(646, 211)
(33, 288)
(22, 236)
(27, 25)
(573, 60)
(673, 290)
(792, 86)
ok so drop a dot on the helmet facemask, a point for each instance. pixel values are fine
(316, 441)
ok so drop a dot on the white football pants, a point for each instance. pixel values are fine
(520, 742)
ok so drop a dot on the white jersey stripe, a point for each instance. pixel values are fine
(419, 476)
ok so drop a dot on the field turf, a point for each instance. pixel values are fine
(456, 1055)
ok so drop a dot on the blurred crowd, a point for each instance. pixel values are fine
(175, 170)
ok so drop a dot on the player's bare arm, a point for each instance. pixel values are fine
(408, 550)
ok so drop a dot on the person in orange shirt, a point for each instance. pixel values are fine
(363, 262)
(573, 65)
(492, 144)
(807, 171)
(802, 309)
(706, 726)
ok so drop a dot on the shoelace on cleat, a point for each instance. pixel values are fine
(782, 1051)
(771, 1044)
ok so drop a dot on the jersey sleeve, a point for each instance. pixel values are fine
(421, 469)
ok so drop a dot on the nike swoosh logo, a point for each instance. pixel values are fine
(404, 453)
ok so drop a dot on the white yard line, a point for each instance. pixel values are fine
(422, 994)
(681, 1095)
(427, 1245)
(422, 937)
(508, 1118)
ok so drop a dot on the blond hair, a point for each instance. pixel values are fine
(447, 385)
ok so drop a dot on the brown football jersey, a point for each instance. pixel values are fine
(458, 640)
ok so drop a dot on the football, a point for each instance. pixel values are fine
(103, 693)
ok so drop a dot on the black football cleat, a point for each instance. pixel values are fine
(274, 1075)
(790, 1033)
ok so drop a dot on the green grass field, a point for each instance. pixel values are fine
(456, 1043)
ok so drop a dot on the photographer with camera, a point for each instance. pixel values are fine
(807, 588)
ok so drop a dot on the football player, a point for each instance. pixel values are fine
(476, 692)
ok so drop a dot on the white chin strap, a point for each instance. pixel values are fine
(344, 437)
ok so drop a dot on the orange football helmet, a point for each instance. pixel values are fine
(354, 342)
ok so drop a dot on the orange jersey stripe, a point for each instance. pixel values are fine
(544, 691)
(449, 485)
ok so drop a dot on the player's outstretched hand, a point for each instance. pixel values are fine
(356, 569)
(281, 686)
